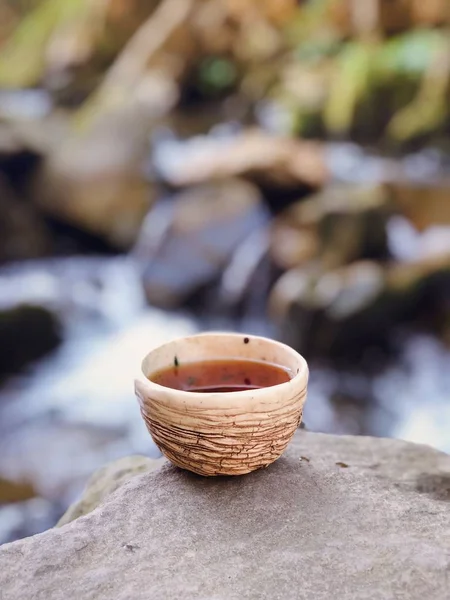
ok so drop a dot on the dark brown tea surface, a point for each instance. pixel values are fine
(226, 375)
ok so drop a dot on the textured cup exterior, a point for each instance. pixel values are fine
(229, 433)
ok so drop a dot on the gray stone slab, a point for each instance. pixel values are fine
(334, 518)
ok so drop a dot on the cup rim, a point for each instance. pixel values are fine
(303, 371)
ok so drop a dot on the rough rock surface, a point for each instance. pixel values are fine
(107, 480)
(259, 157)
(186, 244)
(96, 185)
(335, 517)
(337, 312)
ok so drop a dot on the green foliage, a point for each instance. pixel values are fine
(217, 75)
(394, 89)
(408, 54)
(350, 83)
(22, 57)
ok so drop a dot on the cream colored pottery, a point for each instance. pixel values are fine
(227, 433)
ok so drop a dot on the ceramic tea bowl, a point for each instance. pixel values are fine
(222, 433)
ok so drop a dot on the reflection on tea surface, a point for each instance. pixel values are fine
(225, 375)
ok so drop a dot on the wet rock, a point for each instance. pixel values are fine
(19, 158)
(23, 233)
(351, 223)
(106, 481)
(96, 183)
(359, 509)
(26, 334)
(423, 287)
(342, 313)
(186, 243)
(338, 225)
(246, 281)
(292, 246)
(333, 314)
(269, 160)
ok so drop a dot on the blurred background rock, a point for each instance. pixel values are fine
(166, 166)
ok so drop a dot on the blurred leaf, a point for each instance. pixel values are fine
(309, 20)
(137, 65)
(410, 53)
(21, 60)
(11, 12)
(422, 116)
(318, 48)
(349, 84)
(217, 74)
(22, 57)
(429, 110)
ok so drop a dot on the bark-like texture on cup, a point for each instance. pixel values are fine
(229, 433)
